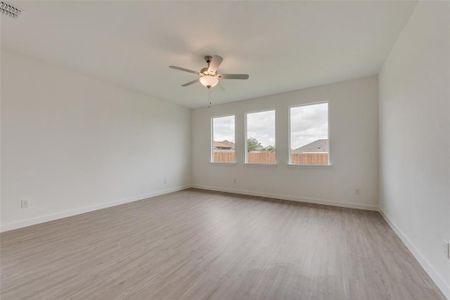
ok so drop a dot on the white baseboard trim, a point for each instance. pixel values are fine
(77, 211)
(288, 197)
(426, 265)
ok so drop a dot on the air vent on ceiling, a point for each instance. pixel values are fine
(9, 10)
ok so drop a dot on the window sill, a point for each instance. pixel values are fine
(300, 165)
(223, 163)
(261, 164)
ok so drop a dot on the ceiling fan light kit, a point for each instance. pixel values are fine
(209, 81)
(208, 76)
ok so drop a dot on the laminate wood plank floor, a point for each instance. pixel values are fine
(203, 245)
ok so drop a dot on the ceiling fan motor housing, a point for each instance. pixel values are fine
(204, 71)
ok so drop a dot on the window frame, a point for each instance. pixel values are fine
(245, 136)
(289, 162)
(211, 140)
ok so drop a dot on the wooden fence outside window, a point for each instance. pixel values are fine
(266, 157)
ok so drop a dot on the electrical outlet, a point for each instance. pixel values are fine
(356, 191)
(23, 204)
(446, 246)
(165, 181)
(234, 180)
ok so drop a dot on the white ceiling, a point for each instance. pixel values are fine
(282, 45)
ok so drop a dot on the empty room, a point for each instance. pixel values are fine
(225, 150)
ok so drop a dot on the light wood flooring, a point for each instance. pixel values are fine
(202, 245)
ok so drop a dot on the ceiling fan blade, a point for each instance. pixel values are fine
(183, 69)
(214, 64)
(234, 76)
(190, 82)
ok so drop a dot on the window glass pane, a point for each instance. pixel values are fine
(223, 140)
(309, 135)
(261, 138)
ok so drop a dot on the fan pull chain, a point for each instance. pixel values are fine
(209, 98)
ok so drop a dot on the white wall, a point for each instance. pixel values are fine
(72, 143)
(415, 137)
(353, 109)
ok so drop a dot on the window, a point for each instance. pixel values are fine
(223, 141)
(260, 135)
(309, 144)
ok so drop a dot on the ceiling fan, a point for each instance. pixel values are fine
(208, 76)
